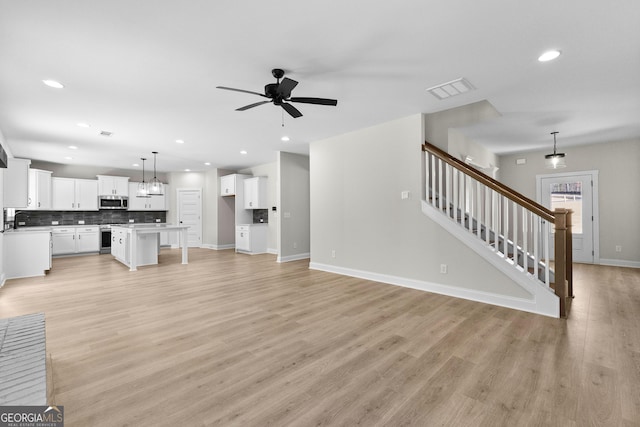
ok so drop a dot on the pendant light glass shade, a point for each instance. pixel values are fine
(143, 189)
(555, 160)
(156, 188)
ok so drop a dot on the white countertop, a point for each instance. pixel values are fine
(157, 227)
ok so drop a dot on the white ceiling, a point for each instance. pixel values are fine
(146, 70)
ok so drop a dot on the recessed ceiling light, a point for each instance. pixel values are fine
(179, 141)
(207, 163)
(68, 158)
(83, 125)
(54, 84)
(284, 138)
(135, 165)
(73, 147)
(187, 170)
(549, 55)
(243, 152)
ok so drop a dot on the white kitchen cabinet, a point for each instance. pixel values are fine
(75, 240)
(39, 190)
(88, 239)
(152, 203)
(113, 185)
(16, 183)
(251, 238)
(69, 194)
(228, 185)
(255, 193)
(120, 247)
(231, 185)
(146, 246)
(26, 253)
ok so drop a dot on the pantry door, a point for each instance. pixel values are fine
(190, 214)
(576, 191)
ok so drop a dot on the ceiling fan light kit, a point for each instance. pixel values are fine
(555, 160)
(279, 94)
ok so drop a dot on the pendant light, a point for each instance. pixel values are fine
(156, 188)
(555, 160)
(143, 189)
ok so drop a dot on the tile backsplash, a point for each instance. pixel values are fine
(44, 218)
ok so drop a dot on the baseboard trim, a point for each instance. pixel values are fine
(620, 263)
(295, 257)
(528, 305)
(219, 247)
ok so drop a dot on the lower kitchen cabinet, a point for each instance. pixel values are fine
(251, 238)
(26, 253)
(76, 240)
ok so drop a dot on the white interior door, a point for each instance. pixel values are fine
(573, 191)
(190, 213)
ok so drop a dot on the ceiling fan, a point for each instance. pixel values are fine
(280, 94)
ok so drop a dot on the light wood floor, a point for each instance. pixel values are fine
(238, 340)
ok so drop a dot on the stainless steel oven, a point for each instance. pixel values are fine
(105, 239)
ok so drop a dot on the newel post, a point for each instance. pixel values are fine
(560, 257)
(569, 254)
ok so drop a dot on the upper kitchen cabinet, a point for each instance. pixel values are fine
(255, 193)
(16, 183)
(229, 184)
(113, 185)
(151, 203)
(70, 194)
(39, 189)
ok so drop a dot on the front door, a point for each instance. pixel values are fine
(190, 213)
(573, 191)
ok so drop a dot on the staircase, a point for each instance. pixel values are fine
(506, 228)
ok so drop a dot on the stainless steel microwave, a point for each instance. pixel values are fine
(113, 202)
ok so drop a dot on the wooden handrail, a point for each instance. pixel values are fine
(495, 185)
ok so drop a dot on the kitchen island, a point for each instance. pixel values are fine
(139, 244)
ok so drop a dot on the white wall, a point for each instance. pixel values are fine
(293, 200)
(356, 181)
(619, 190)
(438, 125)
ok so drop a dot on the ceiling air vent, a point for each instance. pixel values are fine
(105, 133)
(452, 88)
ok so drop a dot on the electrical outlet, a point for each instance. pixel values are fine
(158, 220)
(618, 248)
(80, 222)
(54, 223)
(443, 268)
(295, 245)
(333, 253)
(132, 220)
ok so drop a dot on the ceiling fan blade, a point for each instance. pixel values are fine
(286, 86)
(241, 90)
(293, 111)
(318, 101)
(246, 107)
